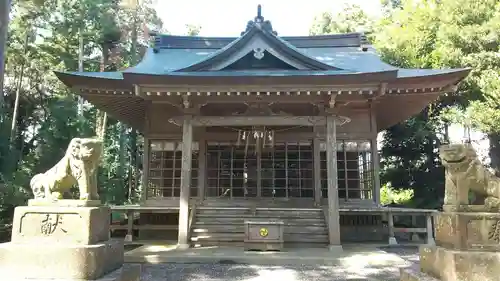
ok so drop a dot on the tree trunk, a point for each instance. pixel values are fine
(4, 23)
(446, 133)
(18, 90)
(80, 64)
(102, 117)
(494, 152)
(134, 165)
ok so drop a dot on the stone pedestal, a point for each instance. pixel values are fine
(467, 248)
(60, 241)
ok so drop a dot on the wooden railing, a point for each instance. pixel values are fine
(391, 212)
(388, 212)
(131, 210)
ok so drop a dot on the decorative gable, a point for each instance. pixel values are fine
(260, 59)
(259, 47)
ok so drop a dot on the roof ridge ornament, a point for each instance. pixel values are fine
(260, 23)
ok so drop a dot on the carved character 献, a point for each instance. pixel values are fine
(78, 166)
(49, 223)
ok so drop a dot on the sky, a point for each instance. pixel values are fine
(229, 17)
(221, 18)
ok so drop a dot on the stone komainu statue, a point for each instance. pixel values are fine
(78, 166)
(464, 174)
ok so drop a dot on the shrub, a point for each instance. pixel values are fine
(389, 195)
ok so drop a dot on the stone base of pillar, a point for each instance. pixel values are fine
(128, 238)
(393, 241)
(335, 248)
(183, 246)
(415, 237)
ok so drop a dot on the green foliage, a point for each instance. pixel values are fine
(193, 30)
(433, 34)
(389, 195)
(351, 19)
(47, 114)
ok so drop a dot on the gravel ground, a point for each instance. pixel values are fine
(226, 272)
(247, 272)
(408, 253)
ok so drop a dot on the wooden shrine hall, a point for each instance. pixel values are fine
(262, 126)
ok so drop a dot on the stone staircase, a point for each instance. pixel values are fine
(225, 225)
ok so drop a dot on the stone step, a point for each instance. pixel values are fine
(247, 216)
(219, 226)
(238, 237)
(289, 213)
(259, 212)
(241, 229)
(241, 223)
(221, 212)
(228, 209)
(205, 243)
(305, 221)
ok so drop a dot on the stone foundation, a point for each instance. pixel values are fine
(468, 231)
(55, 242)
(414, 274)
(50, 224)
(438, 263)
(467, 249)
(80, 262)
(449, 265)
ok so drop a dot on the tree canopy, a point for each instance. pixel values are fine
(432, 34)
(41, 115)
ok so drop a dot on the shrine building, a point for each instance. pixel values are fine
(262, 124)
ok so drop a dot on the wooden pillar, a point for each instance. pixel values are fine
(390, 222)
(258, 148)
(187, 154)
(376, 171)
(317, 170)
(145, 157)
(130, 226)
(202, 168)
(375, 156)
(430, 233)
(145, 170)
(333, 196)
(414, 224)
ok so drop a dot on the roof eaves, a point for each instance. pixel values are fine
(164, 41)
(299, 55)
(418, 72)
(281, 44)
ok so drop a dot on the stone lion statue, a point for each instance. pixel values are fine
(464, 174)
(78, 166)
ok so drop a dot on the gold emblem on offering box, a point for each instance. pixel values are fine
(263, 232)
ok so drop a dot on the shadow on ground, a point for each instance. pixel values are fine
(409, 252)
(226, 270)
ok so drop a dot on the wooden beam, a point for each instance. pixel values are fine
(279, 137)
(201, 100)
(257, 88)
(218, 121)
